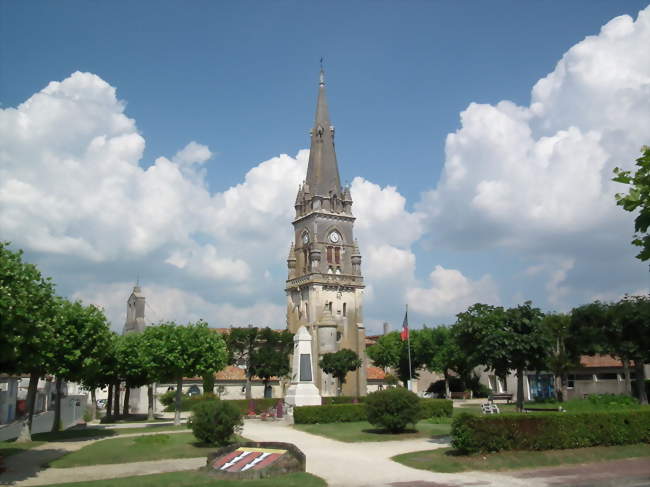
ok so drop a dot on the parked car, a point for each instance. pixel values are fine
(101, 403)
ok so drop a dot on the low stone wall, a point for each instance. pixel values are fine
(72, 410)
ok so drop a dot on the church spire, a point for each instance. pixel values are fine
(322, 171)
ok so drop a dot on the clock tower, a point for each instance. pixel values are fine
(325, 286)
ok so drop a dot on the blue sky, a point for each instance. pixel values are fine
(240, 78)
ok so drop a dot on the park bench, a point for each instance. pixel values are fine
(459, 395)
(490, 408)
(502, 396)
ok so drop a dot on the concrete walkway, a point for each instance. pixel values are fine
(369, 464)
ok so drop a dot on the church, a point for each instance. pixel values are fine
(325, 286)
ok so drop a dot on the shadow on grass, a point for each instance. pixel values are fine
(380, 431)
(74, 435)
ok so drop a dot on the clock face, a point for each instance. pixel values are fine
(335, 237)
(305, 238)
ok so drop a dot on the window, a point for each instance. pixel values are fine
(329, 255)
(571, 381)
(345, 309)
(607, 376)
(337, 255)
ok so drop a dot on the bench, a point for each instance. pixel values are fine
(490, 408)
(544, 410)
(459, 395)
(502, 396)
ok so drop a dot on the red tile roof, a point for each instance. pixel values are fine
(375, 373)
(601, 361)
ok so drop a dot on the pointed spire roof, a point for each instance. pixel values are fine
(322, 171)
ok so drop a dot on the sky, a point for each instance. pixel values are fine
(164, 142)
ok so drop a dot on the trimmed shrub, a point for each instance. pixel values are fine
(215, 422)
(436, 408)
(334, 413)
(548, 431)
(393, 409)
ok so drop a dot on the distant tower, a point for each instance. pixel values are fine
(134, 312)
(325, 286)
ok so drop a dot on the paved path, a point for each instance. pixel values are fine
(369, 464)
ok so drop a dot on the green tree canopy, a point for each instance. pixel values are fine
(81, 337)
(28, 312)
(502, 340)
(271, 356)
(186, 351)
(392, 352)
(637, 198)
(339, 363)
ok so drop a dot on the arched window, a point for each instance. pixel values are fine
(345, 309)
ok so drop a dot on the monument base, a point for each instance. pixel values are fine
(302, 395)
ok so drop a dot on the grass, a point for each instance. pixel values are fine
(364, 431)
(135, 449)
(448, 460)
(199, 479)
(8, 448)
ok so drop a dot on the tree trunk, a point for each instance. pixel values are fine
(557, 382)
(150, 402)
(116, 399)
(109, 401)
(26, 430)
(177, 412)
(447, 391)
(93, 405)
(639, 370)
(127, 397)
(56, 424)
(565, 387)
(628, 381)
(249, 387)
(520, 389)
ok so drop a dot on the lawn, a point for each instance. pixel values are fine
(199, 479)
(364, 431)
(135, 449)
(449, 461)
(8, 448)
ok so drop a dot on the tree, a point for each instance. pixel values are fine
(591, 333)
(100, 370)
(186, 351)
(637, 198)
(136, 365)
(503, 340)
(339, 364)
(27, 315)
(629, 332)
(81, 335)
(392, 352)
(242, 343)
(438, 350)
(271, 356)
(560, 359)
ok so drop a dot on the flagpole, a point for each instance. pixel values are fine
(408, 337)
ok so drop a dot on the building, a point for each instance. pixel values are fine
(138, 398)
(325, 286)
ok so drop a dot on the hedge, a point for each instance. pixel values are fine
(435, 408)
(342, 400)
(335, 413)
(549, 431)
(260, 405)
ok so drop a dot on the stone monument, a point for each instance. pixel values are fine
(302, 391)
